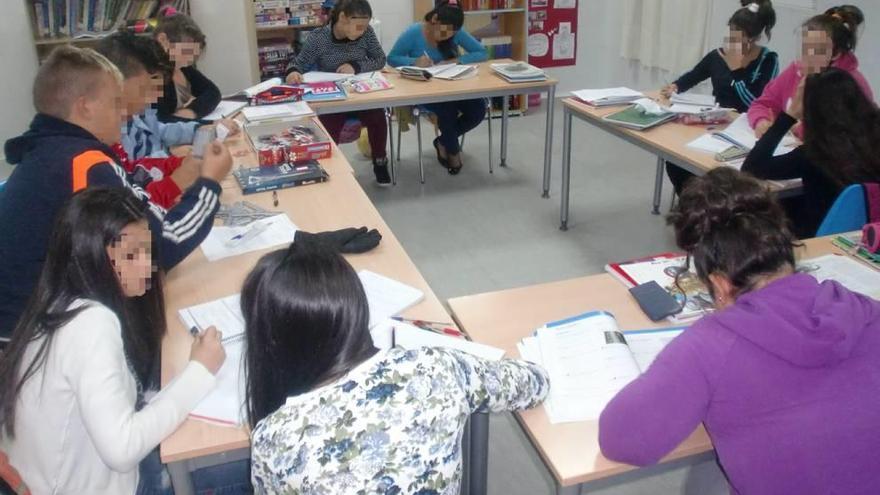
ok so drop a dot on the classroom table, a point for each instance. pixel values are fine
(337, 203)
(501, 319)
(486, 84)
(668, 142)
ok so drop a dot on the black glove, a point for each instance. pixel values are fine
(346, 241)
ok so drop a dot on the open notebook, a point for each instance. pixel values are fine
(589, 360)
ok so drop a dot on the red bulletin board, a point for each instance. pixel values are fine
(552, 32)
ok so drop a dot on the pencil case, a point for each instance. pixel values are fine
(710, 117)
(871, 237)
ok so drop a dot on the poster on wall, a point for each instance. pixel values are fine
(552, 38)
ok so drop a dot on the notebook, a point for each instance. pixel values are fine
(635, 118)
(224, 110)
(740, 133)
(411, 337)
(281, 110)
(589, 360)
(387, 297)
(607, 96)
(449, 72)
(519, 72)
(257, 88)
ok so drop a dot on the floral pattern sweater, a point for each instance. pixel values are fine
(391, 426)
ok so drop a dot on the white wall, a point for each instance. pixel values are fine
(230, 59)
(19, 67)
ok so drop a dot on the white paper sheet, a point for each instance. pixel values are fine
(225, 404)
(225, 109)
(604, 93)
(645, 345)
(225, 314)
(387, 297)
(273, 231)
(739, 132)
(848, 272)
(317, 76)
(693, 99)
(280, 110)
(709, 143)
(410, 337)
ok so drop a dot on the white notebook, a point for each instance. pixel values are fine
(277, 111)
(387, 297)
(225, 109)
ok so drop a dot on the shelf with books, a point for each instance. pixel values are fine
(281, 26)
(493, 11)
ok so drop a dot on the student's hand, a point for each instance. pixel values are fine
(762, 128)
(669, 90)
(424, 61)
(345, 69)
(207, 349)
(217, 162)
(294, 78)
(796, 106)
(187, 173)
(185, 113)
(230, 124)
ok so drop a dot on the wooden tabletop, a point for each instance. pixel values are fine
(501, 319)
(408, 91)
(337, 203)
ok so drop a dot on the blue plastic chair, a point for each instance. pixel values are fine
(849, 212)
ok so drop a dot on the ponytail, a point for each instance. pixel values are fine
(754, 17)
(842, 24)
(447, 12)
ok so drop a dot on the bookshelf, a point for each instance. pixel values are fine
(502, 26)
(281, 26)
(85, 22)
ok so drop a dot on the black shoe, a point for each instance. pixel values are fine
(443, 161)
(380, 168)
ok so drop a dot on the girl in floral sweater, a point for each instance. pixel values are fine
(331, 413)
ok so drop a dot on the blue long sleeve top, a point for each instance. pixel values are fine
(412, 44)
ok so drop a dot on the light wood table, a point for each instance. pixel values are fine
(501, 319)
(337, 203)
(668, 142)
(486, 84)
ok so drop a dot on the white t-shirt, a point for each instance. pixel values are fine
(76, 429)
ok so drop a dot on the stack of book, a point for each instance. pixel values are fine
(607, 97)
(487, 4)
(280, 13)
(273, 56)
(519, 72)
(93, 18)
(498, 46)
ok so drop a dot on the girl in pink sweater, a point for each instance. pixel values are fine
(828, 41)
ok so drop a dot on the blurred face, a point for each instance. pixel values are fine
(104, 113)
(132, 259)
(736, 42)
(182, 53)
(817, 51)
(442, 32)
(141, 91)
(351, 27)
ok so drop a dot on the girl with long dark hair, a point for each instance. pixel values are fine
(439, 38)
(73, 417)
(841, 145)
(783, 375)
(827, 40)
(332, 414)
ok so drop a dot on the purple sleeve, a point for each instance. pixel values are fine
(657, 411)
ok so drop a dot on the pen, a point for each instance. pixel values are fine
(194, 331)
(250, 233)
(436, 327)
(393, 340)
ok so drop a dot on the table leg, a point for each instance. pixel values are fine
(388, 114)
(181, 479)
(505, 115)
(419, 139)
(568, 490)
(479, 461)
(548, 139)
(566, 169)
(489, 113)
(658, 185)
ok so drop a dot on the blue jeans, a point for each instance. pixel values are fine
(233, 478)
(455, 118)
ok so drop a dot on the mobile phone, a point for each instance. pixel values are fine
(204, 136)
(655, 301)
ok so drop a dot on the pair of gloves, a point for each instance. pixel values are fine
(345, 241)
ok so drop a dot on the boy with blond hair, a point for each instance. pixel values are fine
(78, 97)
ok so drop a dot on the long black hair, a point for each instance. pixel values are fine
(841, 128)
(77, 267)
(306, 321)
(730, 223)
(351, 8)
(449, 14)
(754, 17)
(841, 23)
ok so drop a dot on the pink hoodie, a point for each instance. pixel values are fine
(779, 91)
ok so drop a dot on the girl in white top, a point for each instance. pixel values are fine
(72, 414)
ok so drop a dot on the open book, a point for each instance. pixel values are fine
(739, 133)
(257, 88)
(589, 360)
(450, 72)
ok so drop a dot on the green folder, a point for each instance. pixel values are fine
(634, 118)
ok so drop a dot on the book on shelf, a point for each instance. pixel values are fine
(498, 46)
(488, 4)
(83, 19)
(589, 360)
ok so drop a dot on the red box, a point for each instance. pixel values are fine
(288, 141)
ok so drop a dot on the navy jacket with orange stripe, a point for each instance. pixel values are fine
(53, 159)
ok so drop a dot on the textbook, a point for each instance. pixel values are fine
(607, 97)
(449, 72)
(321, 91)
(636, 118)
(519, 72)
(663, 268)
(589, 360)
(260, 179)
(739, 133)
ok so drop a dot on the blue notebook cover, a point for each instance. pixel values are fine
(259, 179)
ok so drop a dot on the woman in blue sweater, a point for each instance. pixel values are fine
(437, 39)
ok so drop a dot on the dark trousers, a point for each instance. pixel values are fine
(678, 176)
(455, 118)
(373, 120)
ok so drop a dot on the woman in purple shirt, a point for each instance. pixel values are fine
(784, 375)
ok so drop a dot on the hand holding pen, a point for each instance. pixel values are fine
(424, 60)
(207, 349)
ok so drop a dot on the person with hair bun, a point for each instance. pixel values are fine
(739, 71)
(841, 146)
(828, 40)
(783, 375)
